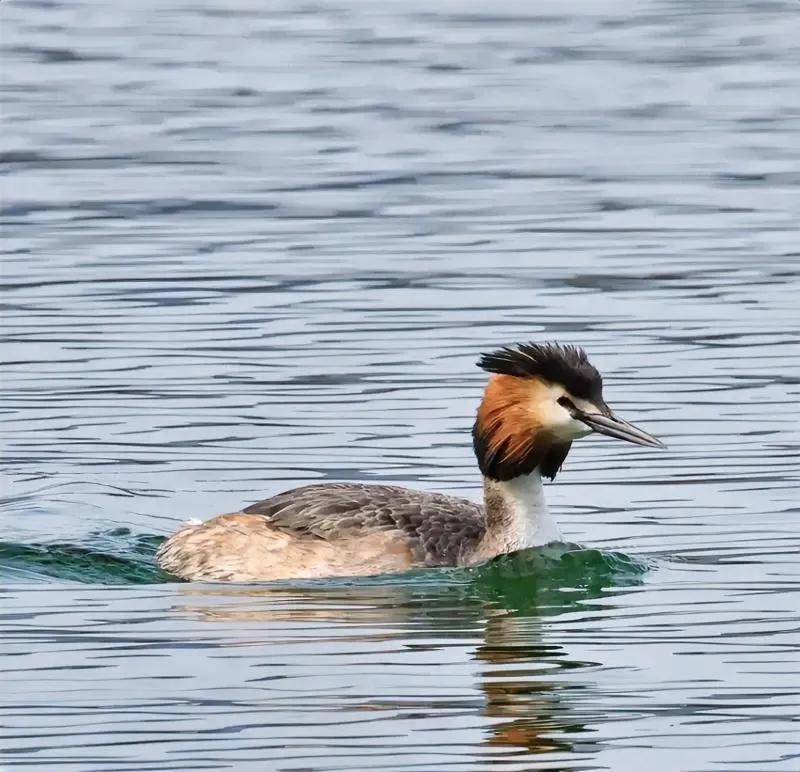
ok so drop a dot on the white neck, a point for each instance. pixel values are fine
(516, 514)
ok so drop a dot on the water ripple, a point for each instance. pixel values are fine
(246, 248)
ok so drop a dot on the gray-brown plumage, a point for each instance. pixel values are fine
(438, 528)
(375, 528)
(525, 424)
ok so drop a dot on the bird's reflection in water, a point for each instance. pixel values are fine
(495, 614)
(522, 692)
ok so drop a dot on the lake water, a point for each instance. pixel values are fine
(249, 246)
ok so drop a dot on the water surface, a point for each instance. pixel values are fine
(248, 247)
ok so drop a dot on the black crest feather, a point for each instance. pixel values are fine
(554, 362)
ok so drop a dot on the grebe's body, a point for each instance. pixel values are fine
(350, 529)
(540, 399)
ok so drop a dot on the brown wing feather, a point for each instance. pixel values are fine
(438, 528)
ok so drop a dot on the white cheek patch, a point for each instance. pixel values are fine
(571, 430)
(579, 429)
(557, 419)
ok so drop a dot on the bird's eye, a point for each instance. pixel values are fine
(567, 403)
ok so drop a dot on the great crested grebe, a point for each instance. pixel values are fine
(540, 397)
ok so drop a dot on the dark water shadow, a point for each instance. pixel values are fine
(495, 615)
(554, 575)
(496, 612)
(113, 557)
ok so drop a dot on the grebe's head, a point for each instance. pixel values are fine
(539, 399)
